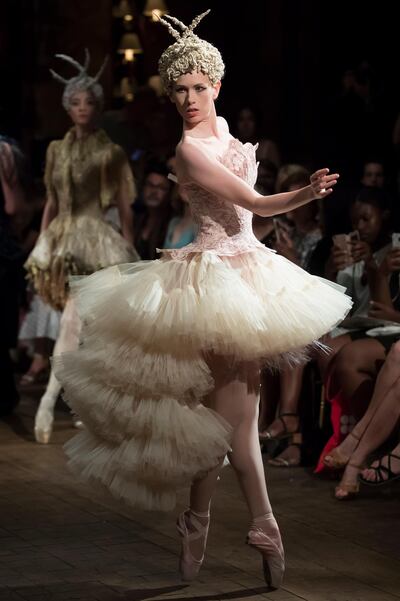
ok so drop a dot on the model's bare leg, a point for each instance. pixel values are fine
(67, 340)
(236, 399)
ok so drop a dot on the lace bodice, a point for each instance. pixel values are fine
(223, 228)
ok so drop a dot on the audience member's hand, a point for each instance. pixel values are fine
(361, 251)
(381, 311)
(338, 259)
(391, 262)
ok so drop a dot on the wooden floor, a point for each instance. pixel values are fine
(58, 541)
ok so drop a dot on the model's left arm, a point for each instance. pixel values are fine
(119, 188)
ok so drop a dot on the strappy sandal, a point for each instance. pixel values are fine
(383, 474)
(266, 434)
(335, 459)
(279, 461)
(30, 378)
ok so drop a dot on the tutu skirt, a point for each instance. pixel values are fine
(141, 372)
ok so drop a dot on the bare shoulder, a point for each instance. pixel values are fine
(223, 125)
(188, 150)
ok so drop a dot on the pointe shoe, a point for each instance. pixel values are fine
(335, 459)
(271, 549)
(189, 566)
(43, 426)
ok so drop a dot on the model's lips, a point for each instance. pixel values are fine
(191, 112)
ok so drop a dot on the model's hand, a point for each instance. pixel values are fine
(381, 311)
(322, 183)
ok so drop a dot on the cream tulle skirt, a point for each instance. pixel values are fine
(74, 244)
(142, 370)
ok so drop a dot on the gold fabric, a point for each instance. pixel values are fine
(82, 177)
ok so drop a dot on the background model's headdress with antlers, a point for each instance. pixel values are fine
(189, 53)
(81, 82)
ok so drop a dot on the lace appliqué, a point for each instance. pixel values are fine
(223, 228)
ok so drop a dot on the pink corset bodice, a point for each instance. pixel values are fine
(223, 228)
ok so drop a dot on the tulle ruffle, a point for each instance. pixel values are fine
(142, 369)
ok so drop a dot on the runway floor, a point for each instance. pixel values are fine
(61, 542)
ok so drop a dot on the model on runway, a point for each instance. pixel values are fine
(85, 173)
(166, 378)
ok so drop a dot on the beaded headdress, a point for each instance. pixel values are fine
(81, 82)
(189, 53)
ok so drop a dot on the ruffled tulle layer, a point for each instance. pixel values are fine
(142, 370)
(74, 244)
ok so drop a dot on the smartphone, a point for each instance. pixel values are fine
(354, 235)
(341, 241)
(395, 240)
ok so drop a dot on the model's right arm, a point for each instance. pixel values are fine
(51, 206)
(194, 165)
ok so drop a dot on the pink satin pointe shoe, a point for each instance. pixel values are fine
(189, 566)
(269, 544)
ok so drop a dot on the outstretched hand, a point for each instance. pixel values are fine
(322, 183)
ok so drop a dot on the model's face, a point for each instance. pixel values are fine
(194, 96)
(82, 108)
(368, 220)
(155, 190)
(373, 175)
(246, 124)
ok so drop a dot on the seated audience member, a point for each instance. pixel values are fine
(151, 224)
(373, 175)
(247, 130)
(296, 241)
(181, 228)
(366, 370)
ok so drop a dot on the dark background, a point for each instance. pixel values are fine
(287, 58)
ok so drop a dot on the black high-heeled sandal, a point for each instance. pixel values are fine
(265, 435)
(383, 474)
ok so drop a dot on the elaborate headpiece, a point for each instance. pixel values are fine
(81, 82)
(189, 53)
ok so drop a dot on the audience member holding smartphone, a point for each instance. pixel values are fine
(364, 267)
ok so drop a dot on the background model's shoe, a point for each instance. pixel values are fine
(43, 426)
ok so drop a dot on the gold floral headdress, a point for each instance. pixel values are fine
(189, 53)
